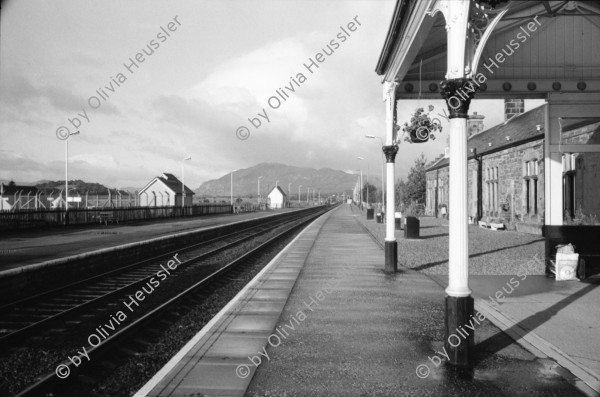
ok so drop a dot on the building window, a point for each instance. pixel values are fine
(492, 188)
(569, 171)
(530, 186)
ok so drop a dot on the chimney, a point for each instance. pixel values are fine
(513, 107)
(475, 124)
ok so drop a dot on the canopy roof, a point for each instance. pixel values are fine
(537, 47)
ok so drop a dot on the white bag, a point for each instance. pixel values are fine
(566, 266)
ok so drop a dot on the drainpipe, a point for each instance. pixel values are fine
(479, 159)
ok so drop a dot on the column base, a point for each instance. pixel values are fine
(391, 256)
(459, 339)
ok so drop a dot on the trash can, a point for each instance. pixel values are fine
(411, 227)
(379, 218)
(398, 218)
(370, 212)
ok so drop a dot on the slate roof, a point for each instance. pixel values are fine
(172, 183)
(521, 129)
(11, 190)
(284, 194)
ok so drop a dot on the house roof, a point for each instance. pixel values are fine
(11, 190)
(171, 182)
(280, 189)
(520, 129)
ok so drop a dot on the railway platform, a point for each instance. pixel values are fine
(323, 319)
(19, 249)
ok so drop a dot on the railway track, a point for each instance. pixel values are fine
(99, 294)
(23, 318)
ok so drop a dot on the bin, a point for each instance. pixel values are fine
(370, 212)
(411, 227)
(379, 217)
(398, 218)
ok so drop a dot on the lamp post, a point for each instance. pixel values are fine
(258, 198)
(382, 166)
(360, 190)
(183, 181)
(299, 195)
(66, 139)
(362, 158)
(289, 193)
(231, 188)
(307, 195)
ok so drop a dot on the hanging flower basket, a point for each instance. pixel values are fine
(421, 127)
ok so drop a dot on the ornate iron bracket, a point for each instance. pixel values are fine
(390, 152)
(458, 94)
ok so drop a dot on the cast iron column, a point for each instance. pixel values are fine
(459, 304)
(390, 149)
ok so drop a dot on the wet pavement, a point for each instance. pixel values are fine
(365, 333)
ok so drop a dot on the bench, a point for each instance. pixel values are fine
(492, 225)
(106, 217)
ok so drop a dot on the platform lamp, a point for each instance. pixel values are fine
(382, 167)
(299, 195)
(183, 181)
(63, 134)
(258, 197)
(362, 158)
(289, 193)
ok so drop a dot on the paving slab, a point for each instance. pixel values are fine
(366, 333)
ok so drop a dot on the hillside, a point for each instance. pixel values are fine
(80, 186)
(245, 181)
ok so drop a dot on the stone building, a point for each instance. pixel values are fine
(506, 171)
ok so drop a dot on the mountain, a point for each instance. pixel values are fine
(245, 181)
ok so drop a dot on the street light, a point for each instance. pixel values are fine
(307, 195)
(66, 139)
(231, 188)
(299, 195)
(258, 198)
(382, 166)
(362, 158)
(360, 190)
(289, 193)
(183, 181)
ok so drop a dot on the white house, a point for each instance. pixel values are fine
(164, 190)
(277, 198)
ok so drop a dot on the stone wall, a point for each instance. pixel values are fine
(511, 203)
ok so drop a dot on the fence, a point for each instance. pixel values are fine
(26, 219)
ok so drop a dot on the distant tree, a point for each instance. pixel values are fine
(372, 192)
(12, 183)
(400, 194)
(416, 184)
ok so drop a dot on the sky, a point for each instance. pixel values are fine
(68, 66)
